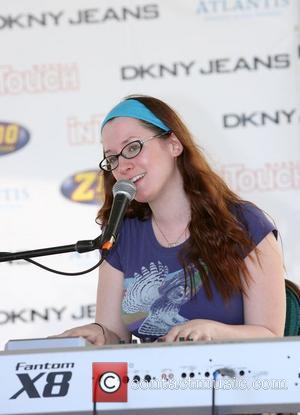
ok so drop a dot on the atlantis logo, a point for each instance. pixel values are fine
(13, 197)
(224, 9)
(84, 187)
(12, 137)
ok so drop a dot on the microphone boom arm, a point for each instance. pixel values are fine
(80, 247)
(123, 192)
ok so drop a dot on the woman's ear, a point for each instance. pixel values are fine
(176, 146)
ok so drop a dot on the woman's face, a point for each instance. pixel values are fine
(154, 168)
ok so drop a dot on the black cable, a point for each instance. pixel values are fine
(66, 273)
(95, 385)
(103, 256)
(224, 371)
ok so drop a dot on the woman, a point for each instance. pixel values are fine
(193, 261)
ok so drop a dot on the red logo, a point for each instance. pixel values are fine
(110, 382)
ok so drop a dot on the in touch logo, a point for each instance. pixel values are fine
(84, 187)
(12, 137)
(39, 78)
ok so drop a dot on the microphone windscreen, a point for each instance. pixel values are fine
(126, 187)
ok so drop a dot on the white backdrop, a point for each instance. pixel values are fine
(230, 68)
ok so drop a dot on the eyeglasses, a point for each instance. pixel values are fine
(129, 151)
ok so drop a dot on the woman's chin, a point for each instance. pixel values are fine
(141, 197)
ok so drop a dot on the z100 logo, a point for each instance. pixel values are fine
(12, 137)
(55, 384)
(84, 187)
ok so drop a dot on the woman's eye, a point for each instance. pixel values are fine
(111, 159)
(132, 148)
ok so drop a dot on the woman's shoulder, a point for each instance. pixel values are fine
(257, 222)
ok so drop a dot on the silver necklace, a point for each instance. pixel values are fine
(170, 244)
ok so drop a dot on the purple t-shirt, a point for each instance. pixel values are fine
(155, 298)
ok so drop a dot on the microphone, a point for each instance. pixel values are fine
(123, 192)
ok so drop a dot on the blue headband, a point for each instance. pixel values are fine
(134, 109)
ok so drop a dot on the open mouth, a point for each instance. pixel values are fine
(138, 177)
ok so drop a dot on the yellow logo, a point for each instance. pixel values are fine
(12, 137)
(84, 187)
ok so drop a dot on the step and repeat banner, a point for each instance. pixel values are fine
(231, 68)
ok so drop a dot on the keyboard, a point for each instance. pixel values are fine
(184, 378)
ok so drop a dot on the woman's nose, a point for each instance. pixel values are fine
(124, 166)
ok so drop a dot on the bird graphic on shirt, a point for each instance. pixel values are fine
(160, 294)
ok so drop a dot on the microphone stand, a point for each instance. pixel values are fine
(80, 247)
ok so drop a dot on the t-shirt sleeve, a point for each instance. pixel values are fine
(113, 259)
(114, 256)
(255, 221)
(122, 253)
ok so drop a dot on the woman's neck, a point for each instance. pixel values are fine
(172, 207)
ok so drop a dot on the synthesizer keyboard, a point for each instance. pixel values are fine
(184, 378)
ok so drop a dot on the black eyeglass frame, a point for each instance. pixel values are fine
(141, 143)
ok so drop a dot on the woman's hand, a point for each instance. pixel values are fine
(91, 332)
(194, 330)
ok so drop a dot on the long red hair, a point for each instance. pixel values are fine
(217, 239)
